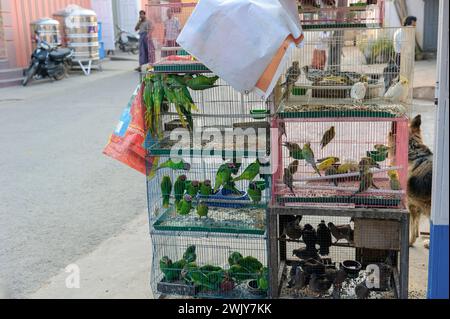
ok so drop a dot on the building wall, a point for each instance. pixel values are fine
(17, 16)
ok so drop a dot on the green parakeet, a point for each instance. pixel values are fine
(238, 273)
(202, 210)
(223, 175)
(250, 172)
(201, 82)
(214, 279)
(185, 205)
(189, 255)
(328, 136)
(209, 268)
(192, 188)
(263, 279)
(166, 190)
(158, 97)
(308, 155)
(394, 180)
(175, 165)
(170, 274)
(254, 192)
(234, 258)
(179, 187)
(295, 151)
(251, 264)
(206, 188)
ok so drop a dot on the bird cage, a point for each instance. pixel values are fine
(336, 254)
(342, 160)
(232, 267)
(357, 70)
(328, 14)
(165, 30)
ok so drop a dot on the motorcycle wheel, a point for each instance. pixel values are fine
(29, 74)
(134, 51)
(59, 76)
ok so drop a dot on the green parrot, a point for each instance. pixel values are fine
(394, 181)
(179, 187)
(214, 279)
(206, 188)
(308, 155)
(197, 278)
(185, 205)
(250, 172)
(172, 97)
(262, 185)
(234, 258)
(295, 151)
(238, 273)
(332, 171)
(254, 192)
(231, 186)
(179, 165)
(202, 210)
(189, 255)
(201, 82)
(236, 168)
(149, 105)
(158, 98)
(209, 268)
(192, 188)
(223, 175)
(166, 190)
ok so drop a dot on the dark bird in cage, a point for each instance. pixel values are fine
(298, 278)
(309, 237)
(341, 232)
(293, 167)
(319, 283)
(327, 137)
(288, 180)
(292, 75)
(313, 266)
(282, 128)
(366, 163)
(295, 151)
(293, 229)
(323, 238)
(390, 73)
(365, 182)
(305, 253)
(362, 292)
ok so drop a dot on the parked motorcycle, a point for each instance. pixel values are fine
(127, 42)
(48, 61)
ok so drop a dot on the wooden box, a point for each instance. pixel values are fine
(377, 234)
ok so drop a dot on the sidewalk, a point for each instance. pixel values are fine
(424, 79)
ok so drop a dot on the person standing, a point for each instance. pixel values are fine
(146, 47)
(171, 31)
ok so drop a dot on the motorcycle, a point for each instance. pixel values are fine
(127, 42)
(48, 61)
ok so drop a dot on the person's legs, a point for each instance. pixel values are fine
(143, 50)
(151, 56)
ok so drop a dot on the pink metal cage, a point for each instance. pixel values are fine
(355, 137)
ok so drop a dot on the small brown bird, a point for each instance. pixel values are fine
(328, 136)
(319, 283)
(365, 182)
(305, 254)
(313, 266)
(282, 129)
(330, 172)
(362, 292)
(293, 167)
(293, 229)
(366, 163)
(299, 279)
(341, 232)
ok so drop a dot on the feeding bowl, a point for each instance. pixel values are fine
(376, 156)
(351, 267)
(259, 114)
(252, 287)
(225, 199)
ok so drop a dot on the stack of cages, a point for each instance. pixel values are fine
(338, 194)
(329, 14)
(167, 20)
(209, 182)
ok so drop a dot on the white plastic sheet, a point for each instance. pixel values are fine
(245, 42)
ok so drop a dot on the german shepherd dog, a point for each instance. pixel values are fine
(420, 160)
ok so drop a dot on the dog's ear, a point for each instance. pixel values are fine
(415, 124)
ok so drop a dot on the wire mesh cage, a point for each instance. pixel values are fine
(327, 14)
(357, 162)
(350, 70)
(168, 19)
(211, 196)
(209, 267)
(327, 254)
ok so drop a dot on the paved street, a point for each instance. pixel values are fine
(60, 197)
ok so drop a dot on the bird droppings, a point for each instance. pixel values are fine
(242, 219)
(347, 290)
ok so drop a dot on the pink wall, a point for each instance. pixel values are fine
(19, 14)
